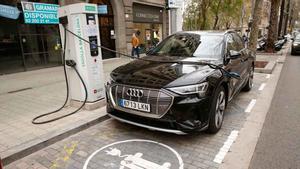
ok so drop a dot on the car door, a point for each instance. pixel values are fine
(240, 47)
(234, 65)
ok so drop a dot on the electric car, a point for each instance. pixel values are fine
(183, 84)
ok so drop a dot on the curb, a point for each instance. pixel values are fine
(42, 144)
(242, 151)
(268, 69)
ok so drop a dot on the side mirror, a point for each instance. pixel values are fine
(234, 54)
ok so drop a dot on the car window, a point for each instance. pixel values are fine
(183, 45)
(239, 41)
(191, 45)
(231, 45)
(211, 47)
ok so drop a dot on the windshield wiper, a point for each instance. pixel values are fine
(211, 65)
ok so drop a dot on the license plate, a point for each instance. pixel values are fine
(134, 105)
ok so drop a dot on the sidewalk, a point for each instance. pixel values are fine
(240, 155)
(26, 95)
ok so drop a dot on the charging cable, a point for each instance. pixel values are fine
(72, 64)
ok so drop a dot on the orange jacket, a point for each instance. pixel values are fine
(135, 42)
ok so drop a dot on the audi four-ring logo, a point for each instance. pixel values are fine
(135, 92)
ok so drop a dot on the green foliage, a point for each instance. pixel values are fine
(213, 14)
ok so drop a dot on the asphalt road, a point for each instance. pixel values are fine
(279, 144)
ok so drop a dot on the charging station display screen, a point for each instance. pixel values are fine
(93, 45)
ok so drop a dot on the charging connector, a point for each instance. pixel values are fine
(70, 63)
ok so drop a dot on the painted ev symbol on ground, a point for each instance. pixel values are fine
(135, 154)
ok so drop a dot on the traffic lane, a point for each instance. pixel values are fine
(278, 144)
(197, 150)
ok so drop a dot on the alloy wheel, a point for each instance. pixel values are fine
(220, 108)
(251, 77)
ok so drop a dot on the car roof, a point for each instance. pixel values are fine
(210, 32)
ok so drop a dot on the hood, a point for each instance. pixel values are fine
(154, 74)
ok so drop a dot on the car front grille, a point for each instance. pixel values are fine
(160, 100)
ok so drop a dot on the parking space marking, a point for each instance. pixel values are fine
(268, 76)
(262, 86)
(138, 160)
(227, 144)
(250, 106)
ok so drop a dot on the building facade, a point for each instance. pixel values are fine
(25, 46)
(31, 46)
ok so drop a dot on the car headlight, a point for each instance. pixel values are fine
(295, 44)
(191, 89)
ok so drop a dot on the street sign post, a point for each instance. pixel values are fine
(40, 13)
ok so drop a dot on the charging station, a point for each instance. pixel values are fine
(82, 19)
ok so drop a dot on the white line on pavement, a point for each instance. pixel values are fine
(227, 144)
(262, 86)
(250, 106)
(268, 76)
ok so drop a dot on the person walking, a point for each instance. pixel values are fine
(135, 44)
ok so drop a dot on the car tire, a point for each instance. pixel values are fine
(249, 84)
(217, 111)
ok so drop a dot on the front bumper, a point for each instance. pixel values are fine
(184, 114)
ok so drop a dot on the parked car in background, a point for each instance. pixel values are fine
(183, 84)
(296, 45)
(295, 33)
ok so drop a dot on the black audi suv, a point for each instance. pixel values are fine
(183, 84)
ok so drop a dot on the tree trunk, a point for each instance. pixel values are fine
(273, 28)
(281, 17)
(216, 22)
(217, 16)
(286, 20)
(204, 9)
(256, 14)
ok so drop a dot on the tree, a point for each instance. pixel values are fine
(212, 14)
(215, 9)
(273, 27)
(256, 14)
(281, 17)
(204, 9)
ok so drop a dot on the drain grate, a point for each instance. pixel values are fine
(20, 90)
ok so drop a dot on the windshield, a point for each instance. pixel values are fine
(191, 45)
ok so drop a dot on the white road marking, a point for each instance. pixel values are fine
(180, 161)
(250, 106)
(268, 76)
(227, 144)
(262, 86)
